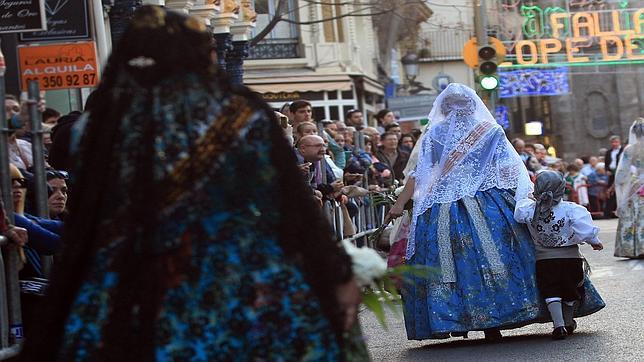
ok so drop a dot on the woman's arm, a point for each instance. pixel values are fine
(399, 207)
(55, 226)
(40, 239)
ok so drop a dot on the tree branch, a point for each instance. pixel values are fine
(356, 13)
(374, 8)
(271, 24)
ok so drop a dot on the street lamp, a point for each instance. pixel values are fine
(410, 65)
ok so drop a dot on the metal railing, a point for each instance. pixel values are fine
(286, 48)
(10, 332)
(366, 221)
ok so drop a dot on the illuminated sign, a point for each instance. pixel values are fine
(534, 128)
(534, 82)
(502, 117)
(560, 37)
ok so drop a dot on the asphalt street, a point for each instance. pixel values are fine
(616, 333)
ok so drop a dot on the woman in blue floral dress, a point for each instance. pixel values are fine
(464, 188)
(191, 235)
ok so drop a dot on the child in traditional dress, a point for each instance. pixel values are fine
(557, 227)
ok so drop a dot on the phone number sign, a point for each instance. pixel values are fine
(59, 66)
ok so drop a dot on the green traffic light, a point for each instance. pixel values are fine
(489, 82)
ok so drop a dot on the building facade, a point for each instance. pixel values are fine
(321, 54)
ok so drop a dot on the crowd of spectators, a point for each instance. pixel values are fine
(342, 161)
(589, 179)
(36, 235)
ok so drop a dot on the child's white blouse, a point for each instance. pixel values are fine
(568, 224)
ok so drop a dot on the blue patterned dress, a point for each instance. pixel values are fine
(487, 270)
(230, 291)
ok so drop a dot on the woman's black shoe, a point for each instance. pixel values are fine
(559, 333)
(493, 335)
(571, 328)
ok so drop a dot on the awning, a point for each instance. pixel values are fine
(373, 87)
(300, 87)
(318, 83)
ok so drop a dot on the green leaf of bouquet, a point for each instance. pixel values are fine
(393, 303)
(371, 301)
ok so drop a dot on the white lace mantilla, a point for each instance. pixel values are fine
(463, 152)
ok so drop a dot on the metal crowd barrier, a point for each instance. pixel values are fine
(10, 333)
(366, 221)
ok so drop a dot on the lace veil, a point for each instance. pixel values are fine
(463, 151)
(629, 176)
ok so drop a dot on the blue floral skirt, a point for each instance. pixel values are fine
(482, 270)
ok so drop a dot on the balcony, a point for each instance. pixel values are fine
(276, 49)
(445, 45)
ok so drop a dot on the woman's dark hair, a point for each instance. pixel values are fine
(158, 46)
(50, 112)
(406, 135)
(381, 115)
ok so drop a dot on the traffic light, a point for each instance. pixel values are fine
(487, 66)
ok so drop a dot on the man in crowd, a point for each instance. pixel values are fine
(611, 160)
(395, 129)
(301, 111)
(519, 146)
(354, 118)
(389, 154)
(311, 150)
(540, 153)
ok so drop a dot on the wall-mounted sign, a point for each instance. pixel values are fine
(66, 20)
(281, 96)
(22, 15)
(59, 66)
(411, 108)
(619, 35)
(534, 82)
(441, 81)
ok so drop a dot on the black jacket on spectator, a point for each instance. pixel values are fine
(611, 203)
(398, 167)
(607, 161)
